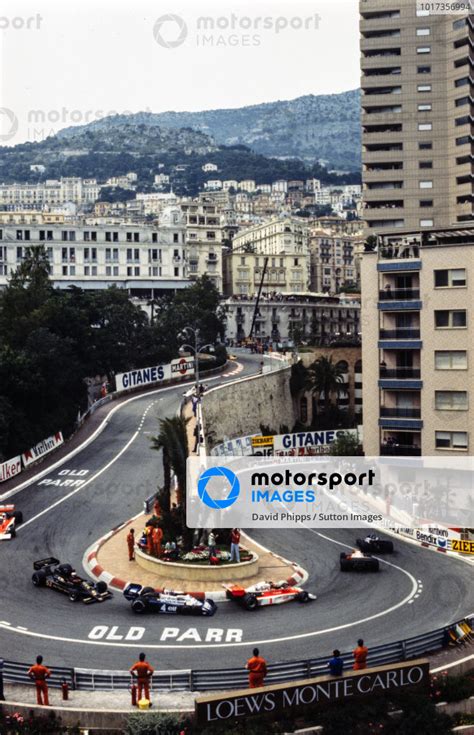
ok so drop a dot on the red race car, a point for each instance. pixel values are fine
(266, 593)
(9, 520)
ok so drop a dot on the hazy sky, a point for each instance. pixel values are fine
(71, 61)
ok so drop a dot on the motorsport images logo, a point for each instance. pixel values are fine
(222, 473)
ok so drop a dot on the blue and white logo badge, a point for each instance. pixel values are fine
(223, 473)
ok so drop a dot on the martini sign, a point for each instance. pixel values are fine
(182, 366)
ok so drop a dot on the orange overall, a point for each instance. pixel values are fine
(360, 657)
(143, 672)
(257, 667)
(131, 546)
(157, 535)
(40, 673)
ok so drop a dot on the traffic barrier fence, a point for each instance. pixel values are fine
(223, 679)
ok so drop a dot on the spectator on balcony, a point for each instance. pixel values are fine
(388, 291)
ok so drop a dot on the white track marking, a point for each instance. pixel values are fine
(87, 482)
(95, 434)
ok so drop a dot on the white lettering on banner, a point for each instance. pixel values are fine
(42, 448)
(10, 468)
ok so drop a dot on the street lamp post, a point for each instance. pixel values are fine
(195, 350)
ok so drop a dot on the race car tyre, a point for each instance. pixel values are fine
(12, 533)
(345, 564)
(18, 516)
(39, 578)
(139, 606)
(101, 587)
(342, 555)
(249, 602)
(388, 547)
(74, 596)
(65, 569)
(302, 596)
(147, 591)
(373, 566)
(212, 609)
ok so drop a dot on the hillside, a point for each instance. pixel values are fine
(313, 127)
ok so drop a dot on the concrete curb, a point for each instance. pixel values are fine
(95, 570)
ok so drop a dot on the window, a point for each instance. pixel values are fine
(462, 120)
(424, 88)
(421, 13)
(461, 82)
(426, 184)
(426, 202)
(423, 50)
(423, 31)
(459, 24)
(462, 101)
(424, 108)
(426, 223)
(425, 164)
(451, 439)
(451, 400)
(425, 146)
(450, 278)
(424, 69)
(450, 360)
(454, 319)
(425, 126)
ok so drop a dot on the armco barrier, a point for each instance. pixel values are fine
(222, 679)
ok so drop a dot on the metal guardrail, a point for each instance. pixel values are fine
(223, 679)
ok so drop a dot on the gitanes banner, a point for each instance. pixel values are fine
(156, 374)
(42, 448)
(10, 468)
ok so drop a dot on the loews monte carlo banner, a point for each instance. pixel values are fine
(292, 699)
(182, 366)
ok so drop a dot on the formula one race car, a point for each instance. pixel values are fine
(375, 545)
(266, 593)
(356, 561)
(146, 599)
(62, 578)
(9, 520)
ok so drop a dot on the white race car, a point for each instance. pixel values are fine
(266, 593)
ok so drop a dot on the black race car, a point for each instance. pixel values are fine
(375, 545)
(146, 599)
(62, 578)
(356, 561)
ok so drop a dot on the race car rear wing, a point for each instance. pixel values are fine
(7, 508)
(50, 561)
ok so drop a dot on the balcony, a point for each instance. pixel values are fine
(400, 413)
(399, 294)
(399, 373)
(400, 450)
(401, 333)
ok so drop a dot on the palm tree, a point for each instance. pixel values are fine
(325, 378)
(173, 441)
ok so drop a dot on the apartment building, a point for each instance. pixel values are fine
(332, 261)
(281, 318)
(417, 92)
(284, 241)
(417, 336)
(145, 260)
(50, 193)
(204, 234)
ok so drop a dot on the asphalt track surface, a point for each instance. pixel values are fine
(415, 591)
